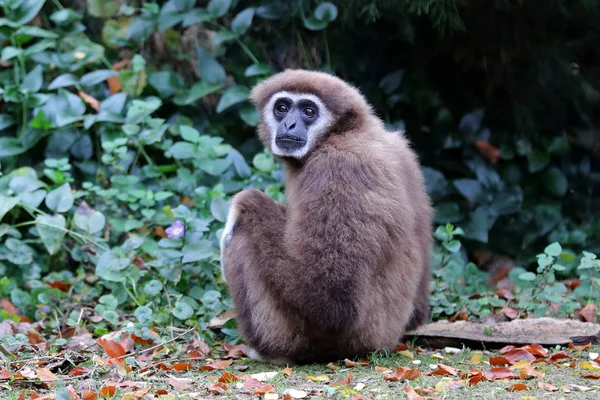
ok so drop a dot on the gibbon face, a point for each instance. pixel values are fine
(296, 122)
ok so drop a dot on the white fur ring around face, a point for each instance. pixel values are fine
(227, 234)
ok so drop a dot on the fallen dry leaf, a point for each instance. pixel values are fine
(228, 377)
(499, 373)
(559, 356)
(320, 378)
(505, 293)
(536, 350)
(590, 366)
(590, 375)
(579, 348)
(286, 371)
(108, 390)
(93, 102)
(217, 365)
(411, 394)
(588, 312)
(490, 151)
(351, 364)
(527, 371)
(112, 348)
(296, 394)
(402, 374)
(444, 370)
(518, 387)
(547, 387)
(88, 395)
(476, 359)
(518, 354)
(217, 388)
(510, 312)
(179, 384)
(77, 371)
(46, 375)
(264, 389)
(181, 366)
(500, 360)
(382, 370)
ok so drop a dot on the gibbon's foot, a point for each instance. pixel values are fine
(256, 356)
(227, 234)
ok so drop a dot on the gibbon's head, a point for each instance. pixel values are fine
(299, 109)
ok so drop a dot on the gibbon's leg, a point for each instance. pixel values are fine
(422, 310)
(255, 221)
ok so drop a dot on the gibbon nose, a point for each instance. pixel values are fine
(290, 125)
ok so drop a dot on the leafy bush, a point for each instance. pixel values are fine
(124, 130)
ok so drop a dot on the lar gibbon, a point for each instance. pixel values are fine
(341, 269)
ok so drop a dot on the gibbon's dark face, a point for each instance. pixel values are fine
(296, 121)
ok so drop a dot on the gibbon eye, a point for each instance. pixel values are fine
(309, 112)
(282, 108)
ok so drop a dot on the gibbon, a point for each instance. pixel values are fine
(342, 269)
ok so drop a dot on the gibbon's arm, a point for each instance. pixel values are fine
(323, 270)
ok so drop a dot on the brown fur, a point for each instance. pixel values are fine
(342, 269)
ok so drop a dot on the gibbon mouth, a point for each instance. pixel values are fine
(290, 138)
(289, 142)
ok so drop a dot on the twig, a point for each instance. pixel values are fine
(7, 353)
(158, 345)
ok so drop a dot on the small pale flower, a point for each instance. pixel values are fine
(176, 230)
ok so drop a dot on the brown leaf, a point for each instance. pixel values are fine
(444, 370)
(179, 384)
(500, 360)
(518, 387)
(401, 347)
(161, 392)
(95, 104)
(519, 354)
(402, 374)
(5, 374)
(228, 377)
(264, 389)
(527, 371)
(181, 366)
(588, 312)
(488, 150)
(114, 84)
(46, 375)
(536, 350)
(217, 388)
(108, 390)
(137, 395)
(382, 369)
(590, 375)
(547, 387)
(217, 365)
(559, 356)
(88, 395)
(505, 293)
(352, 364)
(62, 286)
(411, 394)
(499, 373)
(509, 312)
(112, 348)
(580, 348)
(252, 384)
(77, 371)
(572, 283)
(286, 371)
(7, 306)
(236, 351)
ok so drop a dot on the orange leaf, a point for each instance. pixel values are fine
(401, 347)
(527, 371)
(228, 377)
(444, 370)
(504, 293)
(217, 388)
(536, 350)
(579, 348)
(95, 104)
(491, 152)
(112, 348)
(264, 389)
(217, 365)
(7, 306)
(509, 312)
(114, 84)
(499, 361)
(588, 312)
(499, 373)
(559, 356)
(62, 286)
(382, 369)
(402, 374)
(88, 395)
(351, 364)
(181, 366)
(517, 387)
(287, 371)
(252, 383)
(46, 375)
(161, 392)
(590, 375)
(547, 387)
(108, 390)
(79, 371)
(5, 374)
(411, 394)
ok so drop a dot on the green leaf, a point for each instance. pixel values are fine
(132, 224)
(313, 24)
(10, 52)
(20, 253)
(182, 151)
(452, 246)
(210, 69)
(143, 314)
(196, 16)
(40, 121)
(10, 147)
(470, 188)
(34, 31)
(6, 204)
(6, 121)
(257, 70)
(326, 12)
(553, 249)
(64, 80)
(96, 77)
(242, 21)
(33, 81)
(555, 181)
(60, 199)
(153, 287)
(190, 134)
(182, 310)
(232, 96)
(249, 114)
(223, 36)
(263, 162)
(527, 276)
(166, 82)
(197, 251)
(219, 208)
(26, 10)
(218, 8)
(51, 229)
(214, 167)
(103, 8)
(538, 160)
(199, 90)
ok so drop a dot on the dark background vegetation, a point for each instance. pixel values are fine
(145, 118)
